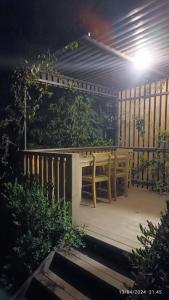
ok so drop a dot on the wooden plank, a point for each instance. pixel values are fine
(146, 121)
(123, 120)
(132, 130)
(119, 118)
(141, 141)
(110, 241)
(60, 287)
(166, 104)
(132, 123)
(116, 239)
(154, 122)
(149, 113)
(136, 116)
(127, 117)
(163, 107)
(130, 119)
(143, 115)
(53, 287)
(139, 100)
(151, 121)
(157, 122)
(92, 266)
(160, 107)
(76, 187)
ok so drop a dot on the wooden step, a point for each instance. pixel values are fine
(107, 254)
(92, 278)
(74, 275)
(112, 277)
(45, 285)
(49, 286)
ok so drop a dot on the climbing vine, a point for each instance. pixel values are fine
(140, 125)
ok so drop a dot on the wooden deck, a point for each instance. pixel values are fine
(118, 223)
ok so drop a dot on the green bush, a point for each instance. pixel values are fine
(38, 226)
(151, 262)
(70, 119)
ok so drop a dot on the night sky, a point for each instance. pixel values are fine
(30, 27)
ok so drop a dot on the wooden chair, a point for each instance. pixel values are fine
(120, 169)
(100, 172)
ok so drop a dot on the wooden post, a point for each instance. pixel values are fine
(76, 187)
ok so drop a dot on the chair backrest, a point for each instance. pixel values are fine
(101, 163)
(121, 159)
(101, 159)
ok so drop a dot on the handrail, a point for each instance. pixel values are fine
(82, 149)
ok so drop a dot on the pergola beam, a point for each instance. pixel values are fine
(71, 83)
(107, 48)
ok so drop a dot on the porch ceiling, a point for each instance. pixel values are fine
(105, 59)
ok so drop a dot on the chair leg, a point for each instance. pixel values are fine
(126, 186)
(114, 188)
(109, 191)
(94, 193)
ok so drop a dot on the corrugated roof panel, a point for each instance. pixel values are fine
(144, 27)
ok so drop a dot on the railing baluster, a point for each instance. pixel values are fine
(35, 165)
(50, 187)
(58, 181)
(41, 171)
(28, 165)
(52, 181)
(31, 165)
(25, 164)
(64, 179)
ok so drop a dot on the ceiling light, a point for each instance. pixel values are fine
(142, 59)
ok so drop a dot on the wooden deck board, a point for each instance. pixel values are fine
(118, 222)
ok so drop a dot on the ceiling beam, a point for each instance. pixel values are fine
(80, 85)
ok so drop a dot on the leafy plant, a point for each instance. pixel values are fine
(163, 139)
(72, 46)
(161, 186)
(70, 120)
(151, 261)
(140, 125)
(38, 226)
(158, 165)
(24, 85)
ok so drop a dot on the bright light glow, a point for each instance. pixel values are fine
(143, 59)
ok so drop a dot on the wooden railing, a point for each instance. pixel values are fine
(53, 171)
(56, 169)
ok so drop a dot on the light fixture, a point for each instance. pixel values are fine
(142, 59)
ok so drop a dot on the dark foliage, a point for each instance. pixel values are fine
(35, 229)
(151, 262)
(69, 119)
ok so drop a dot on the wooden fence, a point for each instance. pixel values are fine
(143, 114)
(149, 166)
